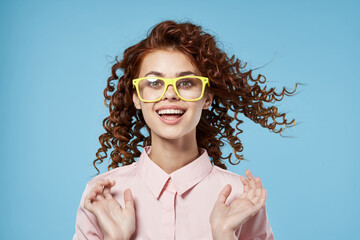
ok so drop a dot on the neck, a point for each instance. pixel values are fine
(173, 154)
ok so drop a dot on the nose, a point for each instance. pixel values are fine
(170, 93)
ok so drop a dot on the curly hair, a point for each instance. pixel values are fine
(234, 89)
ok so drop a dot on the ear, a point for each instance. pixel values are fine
(209, 99)
(136, 100)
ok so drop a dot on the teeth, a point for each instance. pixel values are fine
(170, 111)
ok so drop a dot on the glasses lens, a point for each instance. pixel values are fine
(152, 88)
(189, 88)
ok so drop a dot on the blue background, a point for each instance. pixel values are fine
(57, 55)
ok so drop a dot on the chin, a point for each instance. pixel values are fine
(172, 134)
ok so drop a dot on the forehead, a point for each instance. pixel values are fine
(168, 62)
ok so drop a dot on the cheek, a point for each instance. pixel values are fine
(148, 115)
(197, 114)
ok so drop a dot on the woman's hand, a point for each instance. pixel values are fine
(115, 222)
(225, 219)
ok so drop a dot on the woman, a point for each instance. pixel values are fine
(179, 85)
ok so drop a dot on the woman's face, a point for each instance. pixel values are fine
(170, 64)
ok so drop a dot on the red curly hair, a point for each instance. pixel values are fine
(234, 89)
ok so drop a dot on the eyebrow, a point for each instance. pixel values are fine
(180, 74)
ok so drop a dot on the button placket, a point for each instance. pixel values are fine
(168, 200)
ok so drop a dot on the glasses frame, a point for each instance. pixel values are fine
(171, 81)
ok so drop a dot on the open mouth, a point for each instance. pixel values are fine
(170, 116)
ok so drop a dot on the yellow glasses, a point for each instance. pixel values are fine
(188, 88)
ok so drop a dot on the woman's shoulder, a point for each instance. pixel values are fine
(218, 171)
(220, 177)
(125, 171)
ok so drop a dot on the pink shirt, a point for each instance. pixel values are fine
(172, 206)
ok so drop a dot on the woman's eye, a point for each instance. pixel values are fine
(155, 83)
(185, 83)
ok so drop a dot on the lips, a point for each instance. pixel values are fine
(169, 119)
(170, 113)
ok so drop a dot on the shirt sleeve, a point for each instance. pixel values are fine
(86, 226)
(256, 228)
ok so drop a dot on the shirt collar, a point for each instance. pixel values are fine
(183, 179)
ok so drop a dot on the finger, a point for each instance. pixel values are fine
(113, 182)
(258, 186)
(108, 182)
(249, 174)
(251, 194)
(102, 183)
(98, 189)
(262, 200)
(107, 191)
(99, 193)
(128, 199)
(245, 182)
(99, 197)
(252, 184)
(91, 196)
(88, 201)
(256, 202)
(105, 184)
(258, 183)
(225, 192)
(88, 206)
(251, 178)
